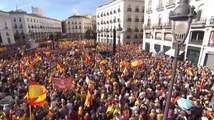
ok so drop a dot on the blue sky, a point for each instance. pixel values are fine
(59, 9)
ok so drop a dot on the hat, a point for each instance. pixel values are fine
(206, 102)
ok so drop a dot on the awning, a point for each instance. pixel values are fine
(171, 52)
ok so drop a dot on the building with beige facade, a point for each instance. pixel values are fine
(31, 26)
(77, 25)
(6, 31)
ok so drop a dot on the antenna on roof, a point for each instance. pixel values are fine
(16, 5)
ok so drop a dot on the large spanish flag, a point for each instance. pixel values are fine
(88, 99)
(36, 94)
(137, 63)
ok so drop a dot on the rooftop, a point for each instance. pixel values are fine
(78, 16)
(30, 14)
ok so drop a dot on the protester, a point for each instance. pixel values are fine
(79, 82)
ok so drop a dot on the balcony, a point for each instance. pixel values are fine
(212, 21)
(199, 22)
(129, 9)
(137, 20)
(149, 10)
(158, 26)
(196, 37)
(137, 10)
(160, 7)
(129, 19)
(129, 30)
(136, 30)
(170, 4)
(167, 26)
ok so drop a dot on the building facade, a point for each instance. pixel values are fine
(6, 32)
(129, 14)
(76, 26)
(199, 44)
(30, 26)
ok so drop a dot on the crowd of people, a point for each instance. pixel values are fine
(117, 91)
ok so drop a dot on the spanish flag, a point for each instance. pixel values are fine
(31, 66)
(137, 63)
(36, 94)
(21, 71)
(87, 59)
(60, 68)
(124, 64)
(103, 62)
(88, 99)
(39, 58)
(108, 72)
(50, 78)
(189, 72)
(202, 85)
(110, 109)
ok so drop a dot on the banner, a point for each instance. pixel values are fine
(61, 83)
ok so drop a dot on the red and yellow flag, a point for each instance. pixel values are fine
(103, 62)
(137, 63)
(202, 85)
(50, 78)
(21, 71)
(108, 72)
(124, 64)
(60, 68)
(88, 99)
(110, 109)
(87, 59)
(36, 94)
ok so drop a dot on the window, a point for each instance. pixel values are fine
(20, 19)
(8, 40)
(196, 37)
(14, 19)
(5, 25)
(159, 20)
(7, 34)
(137, 9)
(136, 36)
(20, 26)
(149, 22)
(150, 4)
(211, 41)
(0, 38)
(129, 8)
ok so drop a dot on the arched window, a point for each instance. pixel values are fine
(148, 21)
(150, 4)
(200, 12)
(159, 19)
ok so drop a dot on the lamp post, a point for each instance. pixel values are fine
(181, 18)
(119, 31)
(107, 34)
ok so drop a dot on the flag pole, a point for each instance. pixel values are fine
(30, 112)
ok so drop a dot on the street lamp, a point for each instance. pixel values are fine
(119, 31)
(181, 18)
